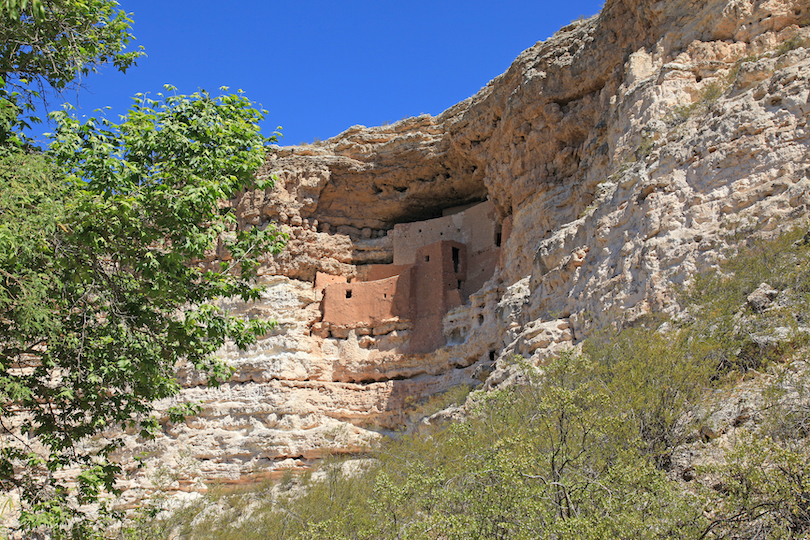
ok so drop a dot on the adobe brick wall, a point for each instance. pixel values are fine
(373, 272)
(437, 264)
(480, 267)
(474, 227)
(322, 280)
(440, 271)
(368, 303)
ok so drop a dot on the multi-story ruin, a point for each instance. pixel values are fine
(437, 264)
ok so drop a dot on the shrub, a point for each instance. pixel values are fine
(550, 459)
(718, 301)
(710, 94)
(791, 44)
(764, 491)
(655, 380)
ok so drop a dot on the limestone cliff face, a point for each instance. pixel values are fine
(620, 156)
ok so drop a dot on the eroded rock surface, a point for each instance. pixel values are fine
(621, 156)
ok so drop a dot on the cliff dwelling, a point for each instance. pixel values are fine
(437, 264)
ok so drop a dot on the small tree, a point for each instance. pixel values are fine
(103, 287)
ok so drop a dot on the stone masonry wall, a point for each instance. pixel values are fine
(475, 227)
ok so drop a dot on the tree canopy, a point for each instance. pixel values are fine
(106, 274)
(48, 46)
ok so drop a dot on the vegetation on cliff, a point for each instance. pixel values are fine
(586, 447)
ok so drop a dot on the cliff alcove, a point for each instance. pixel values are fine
(436, 265)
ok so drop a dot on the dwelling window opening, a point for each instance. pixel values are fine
(458, 284)
(498, 236)
(427, 258)
(348, 293)
(456, 260)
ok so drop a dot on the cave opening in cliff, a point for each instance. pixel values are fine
(436, 207)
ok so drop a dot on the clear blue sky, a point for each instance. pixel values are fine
(321, 66)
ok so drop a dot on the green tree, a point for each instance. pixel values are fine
(49, 46)
(103, 285)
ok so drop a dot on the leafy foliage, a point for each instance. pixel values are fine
(657, 379)
(103, 287)
(102, 241)
(705, 99)
(54, 42)
(49, 45)
(718, 301)
(791, 44)
(761, 489)
(766, 491)
(14, 8)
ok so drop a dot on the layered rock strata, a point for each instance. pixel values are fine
(620, 157)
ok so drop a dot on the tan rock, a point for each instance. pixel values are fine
(761, 298)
